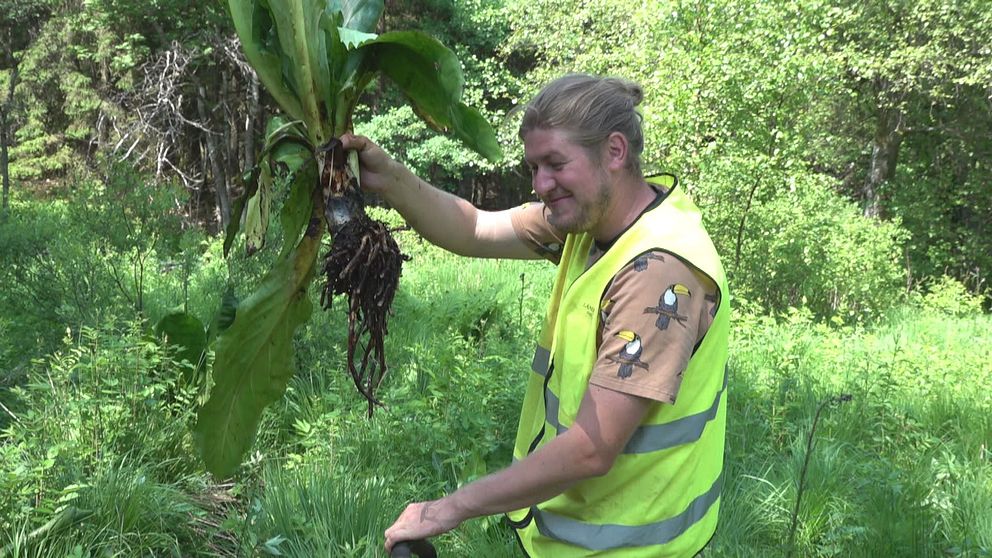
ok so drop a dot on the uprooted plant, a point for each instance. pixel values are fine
(315, 58)
(364, 263)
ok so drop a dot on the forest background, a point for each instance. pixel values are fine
(842, 155)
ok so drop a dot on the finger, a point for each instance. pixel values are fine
(392, 537)
(354, 142)
(390, 533)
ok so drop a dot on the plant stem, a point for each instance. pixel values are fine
(520, 308)
(802, 473)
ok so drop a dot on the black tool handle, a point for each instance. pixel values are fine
(420, 547)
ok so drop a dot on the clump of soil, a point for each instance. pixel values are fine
(364, 263)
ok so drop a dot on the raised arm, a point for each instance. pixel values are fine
(442, 218)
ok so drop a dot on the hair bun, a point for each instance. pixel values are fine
(633, 90)
(636, 93)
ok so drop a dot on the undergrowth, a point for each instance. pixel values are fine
(95, 436)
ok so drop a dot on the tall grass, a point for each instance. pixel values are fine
(100, 425)
(315, 511)
(902, 470)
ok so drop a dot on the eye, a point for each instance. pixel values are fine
(557, 166)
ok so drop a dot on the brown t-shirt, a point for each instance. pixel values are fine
(652, 316)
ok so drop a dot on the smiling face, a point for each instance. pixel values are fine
(574, 186)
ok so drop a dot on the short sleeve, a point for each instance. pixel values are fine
(653, 315)
(533, 229)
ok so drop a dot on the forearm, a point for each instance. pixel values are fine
(549, 471)
(602, 428)
(441, 218)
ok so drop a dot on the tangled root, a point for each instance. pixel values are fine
(364, 263)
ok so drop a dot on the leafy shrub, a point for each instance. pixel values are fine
(113, 250)
(51, 276)
(801, 244)
(108, 396)
(946, 295)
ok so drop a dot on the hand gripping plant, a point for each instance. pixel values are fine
(315, 57)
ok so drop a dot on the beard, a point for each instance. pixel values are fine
(586, 214)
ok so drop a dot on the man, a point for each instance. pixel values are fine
(619, 450)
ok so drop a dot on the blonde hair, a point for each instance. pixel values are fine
(589, 108)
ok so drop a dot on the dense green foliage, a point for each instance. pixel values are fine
(883, 106)
(839, 151)
(900, 470)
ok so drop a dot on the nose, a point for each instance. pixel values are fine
(541, 181)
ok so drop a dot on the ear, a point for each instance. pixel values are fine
(615, 150)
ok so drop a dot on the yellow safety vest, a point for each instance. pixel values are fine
(662, 495)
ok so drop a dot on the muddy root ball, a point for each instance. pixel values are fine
(364, 263)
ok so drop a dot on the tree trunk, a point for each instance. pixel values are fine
(232, 144)
(4, 140)
(216, 165)
(884, 154)
(4, 170)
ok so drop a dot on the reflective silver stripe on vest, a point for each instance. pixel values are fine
(542, 357)
(606, 536)
(551, 410)
(652, 437)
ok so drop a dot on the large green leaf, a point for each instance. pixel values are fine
(254, 360)
(187, 333)
(291, 160)
(257, 216)
(249, 180)
(285, 41)
(255, 25)
(360, 15)
(295, 213)
(335, 54)
(351, 38)
(225, 314)
(297, 25)
(349, 73)
(430, 75)
(286, 154)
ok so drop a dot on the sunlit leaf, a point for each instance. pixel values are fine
(430, 75)
(360, 15)
(254, 24)
(257, 215)
(352, 38)
(254, 361)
